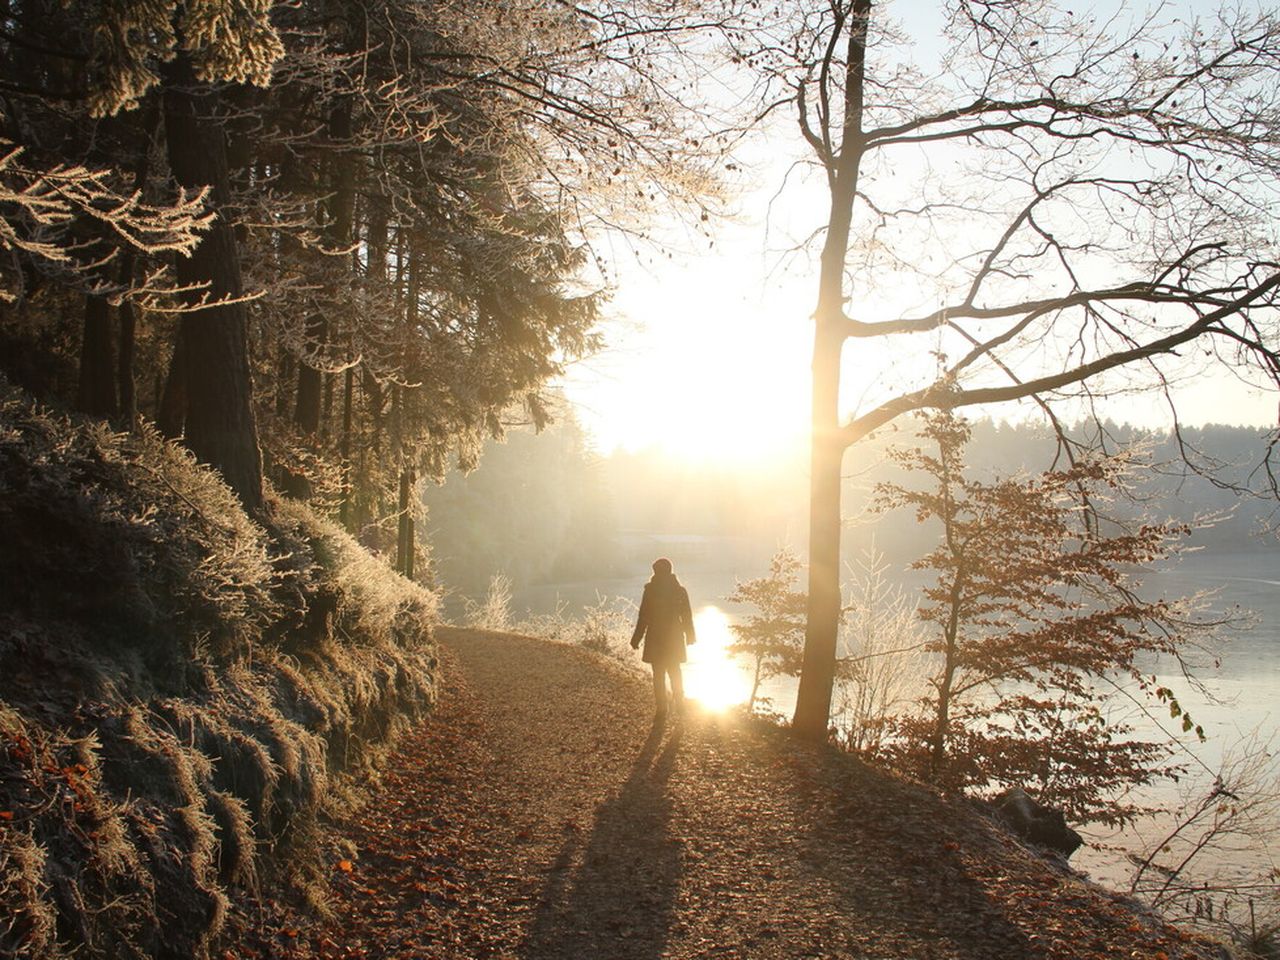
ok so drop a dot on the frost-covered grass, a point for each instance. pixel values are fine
(183, 693)
(604, 627)
(493, 611)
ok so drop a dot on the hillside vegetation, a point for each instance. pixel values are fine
(183, 693)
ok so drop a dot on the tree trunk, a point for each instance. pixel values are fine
(127, 313)
(127, 333)
(818, 667)
(942, 719)
(364, 492)
(326, 415)
(220, 425)
(171, 412)
(313, 393)
(367, 492)
(951, 633)
(755, 684)
(124, 364)
(344, 510)
(97, 393)
(822, 624)
(284, 377)
(306, 413)
(405, 537)
(393, 425)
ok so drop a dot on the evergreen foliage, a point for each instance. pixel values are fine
(381, 225)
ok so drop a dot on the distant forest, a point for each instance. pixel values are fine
(544, 508)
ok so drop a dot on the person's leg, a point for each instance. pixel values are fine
(677, 686)
(659, 688)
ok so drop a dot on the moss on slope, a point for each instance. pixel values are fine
(182, 692)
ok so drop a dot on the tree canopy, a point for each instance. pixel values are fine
(355, 238)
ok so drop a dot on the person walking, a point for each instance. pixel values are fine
(665, 624)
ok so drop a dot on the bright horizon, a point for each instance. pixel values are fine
(708, 361)
(709, 341)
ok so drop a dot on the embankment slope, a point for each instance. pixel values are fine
(183, 692)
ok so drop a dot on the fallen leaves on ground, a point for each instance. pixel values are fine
(538, 815)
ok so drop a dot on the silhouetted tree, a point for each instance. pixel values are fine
(772, 636)
(1037, 619)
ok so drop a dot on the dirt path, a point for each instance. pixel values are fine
(540, 815)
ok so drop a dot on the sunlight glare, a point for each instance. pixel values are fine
(713, 677)
(702, 377)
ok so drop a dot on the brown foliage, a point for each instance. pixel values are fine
(1036, 619)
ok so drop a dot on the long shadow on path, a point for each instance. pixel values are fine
(886, 852)
(613, 893)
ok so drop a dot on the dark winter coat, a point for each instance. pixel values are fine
(665, 620)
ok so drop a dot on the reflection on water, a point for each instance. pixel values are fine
(713, 676)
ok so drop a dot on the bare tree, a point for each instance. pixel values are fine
(882, 661)
(1191, 867)
(1065, 206)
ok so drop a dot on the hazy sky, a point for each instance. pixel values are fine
(709, 347)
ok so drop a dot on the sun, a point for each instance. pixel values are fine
(698, 373)
(713, 677)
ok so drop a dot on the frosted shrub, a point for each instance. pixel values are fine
(494, 611)
(882, 654)
(555, 625)
(605, 627)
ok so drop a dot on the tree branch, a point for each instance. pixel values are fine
(943, 394)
